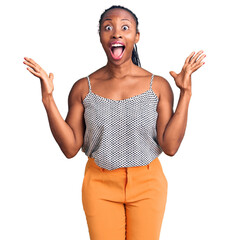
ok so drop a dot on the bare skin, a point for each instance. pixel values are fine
(120, 79)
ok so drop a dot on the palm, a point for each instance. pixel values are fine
(47, 86)
(183, 79)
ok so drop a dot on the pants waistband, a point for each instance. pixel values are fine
(91, 161)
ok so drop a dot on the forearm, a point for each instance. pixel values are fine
(61, 131)
(175, 130)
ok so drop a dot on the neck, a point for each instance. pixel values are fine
(120, 71)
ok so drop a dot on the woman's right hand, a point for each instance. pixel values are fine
(47, 86)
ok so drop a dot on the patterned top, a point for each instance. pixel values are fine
(121, 133)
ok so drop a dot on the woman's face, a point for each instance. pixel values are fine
(118, 35)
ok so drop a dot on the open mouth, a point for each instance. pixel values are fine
(117, 51)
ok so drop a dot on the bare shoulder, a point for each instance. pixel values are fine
(80, 88)
(77, 90)
(162, 85)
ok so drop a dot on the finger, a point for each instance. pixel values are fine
(173, 74)
(199, 60)
(196, 56)
(27, 61)
(198, 66)
(32, 66)
(189, 57)
(33, 72)
(29, 64)
(32, 61)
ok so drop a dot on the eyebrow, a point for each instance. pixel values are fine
(111, 19)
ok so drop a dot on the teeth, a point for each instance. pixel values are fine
(117, 45)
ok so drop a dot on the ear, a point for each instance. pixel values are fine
(137, 37)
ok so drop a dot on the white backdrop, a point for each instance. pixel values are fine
(40, 189)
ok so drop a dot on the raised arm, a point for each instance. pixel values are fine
(171, 126)
(67, 133)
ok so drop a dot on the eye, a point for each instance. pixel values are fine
(108, 27)
(125, 27)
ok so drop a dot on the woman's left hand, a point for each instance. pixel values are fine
(183, 79)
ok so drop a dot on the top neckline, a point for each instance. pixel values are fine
(120, 100)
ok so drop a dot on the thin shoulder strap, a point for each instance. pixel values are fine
(151, 81)
(89, 84)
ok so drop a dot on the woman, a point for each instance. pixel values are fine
(122, 117)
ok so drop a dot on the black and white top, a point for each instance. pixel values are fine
(121, 133)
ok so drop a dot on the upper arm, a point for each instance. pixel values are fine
(164, 108)
(75, 115)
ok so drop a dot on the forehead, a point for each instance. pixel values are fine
(118, 13)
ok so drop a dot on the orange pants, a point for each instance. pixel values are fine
(125, 203)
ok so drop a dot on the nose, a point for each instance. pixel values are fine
(116, 34)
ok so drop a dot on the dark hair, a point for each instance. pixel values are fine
(135, 57)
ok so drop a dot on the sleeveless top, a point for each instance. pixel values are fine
(121, 133)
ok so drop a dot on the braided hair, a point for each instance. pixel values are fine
(135, 57)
